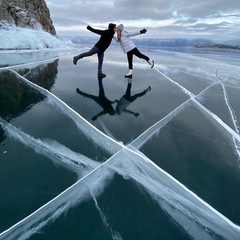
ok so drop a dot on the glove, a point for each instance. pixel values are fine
(143, 31)
(89, 28)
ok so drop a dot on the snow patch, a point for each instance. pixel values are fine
(16, 38)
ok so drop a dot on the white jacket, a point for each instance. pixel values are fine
(126, 43)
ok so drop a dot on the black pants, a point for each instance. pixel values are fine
(137, 53)
(91, 52)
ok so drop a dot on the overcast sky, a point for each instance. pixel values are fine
(213, 19)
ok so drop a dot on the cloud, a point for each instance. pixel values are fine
(205, 8)
(185, 17)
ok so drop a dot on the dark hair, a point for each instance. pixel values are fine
(111, 26)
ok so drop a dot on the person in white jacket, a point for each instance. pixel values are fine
(123, 37)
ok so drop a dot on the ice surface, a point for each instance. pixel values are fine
(177, 200)
(115, 235)
(97, 136)
(199, 219)
(52, 149)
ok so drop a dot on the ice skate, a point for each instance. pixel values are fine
(129, 74)
(102, 75)
(151, 63)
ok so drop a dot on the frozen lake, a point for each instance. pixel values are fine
(157, 157)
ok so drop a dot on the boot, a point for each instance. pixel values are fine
(151, 63)
(129, 74)
(102, 75)
(75, 59)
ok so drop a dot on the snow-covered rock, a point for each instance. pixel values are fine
(12, 37)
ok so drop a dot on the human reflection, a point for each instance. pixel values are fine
(127, 99)
(101, 99)
(107, 104)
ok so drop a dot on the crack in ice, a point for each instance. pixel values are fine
(233, 133)
(180, 203)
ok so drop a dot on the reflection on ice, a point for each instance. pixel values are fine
(195, 216)
(107, 104)
(97, 136)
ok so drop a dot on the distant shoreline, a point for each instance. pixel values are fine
(218, 46)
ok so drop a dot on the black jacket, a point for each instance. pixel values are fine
(106, 36)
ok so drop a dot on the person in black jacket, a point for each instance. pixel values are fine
(100, 47)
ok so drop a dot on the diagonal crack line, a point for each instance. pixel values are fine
(214, 117)
(56, 205)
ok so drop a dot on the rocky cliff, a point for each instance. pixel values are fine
(32, 14)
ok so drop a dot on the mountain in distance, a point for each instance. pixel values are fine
(235, 42)
(171, 42)
(154, 42)
(158, 42)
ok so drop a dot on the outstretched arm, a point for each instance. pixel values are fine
(97, 31)
(144, 30)
(87, 95)
(135, 33)
(131, 34)
(131, 112)
(98, 115)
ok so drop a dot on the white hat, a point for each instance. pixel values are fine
(120, 27)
